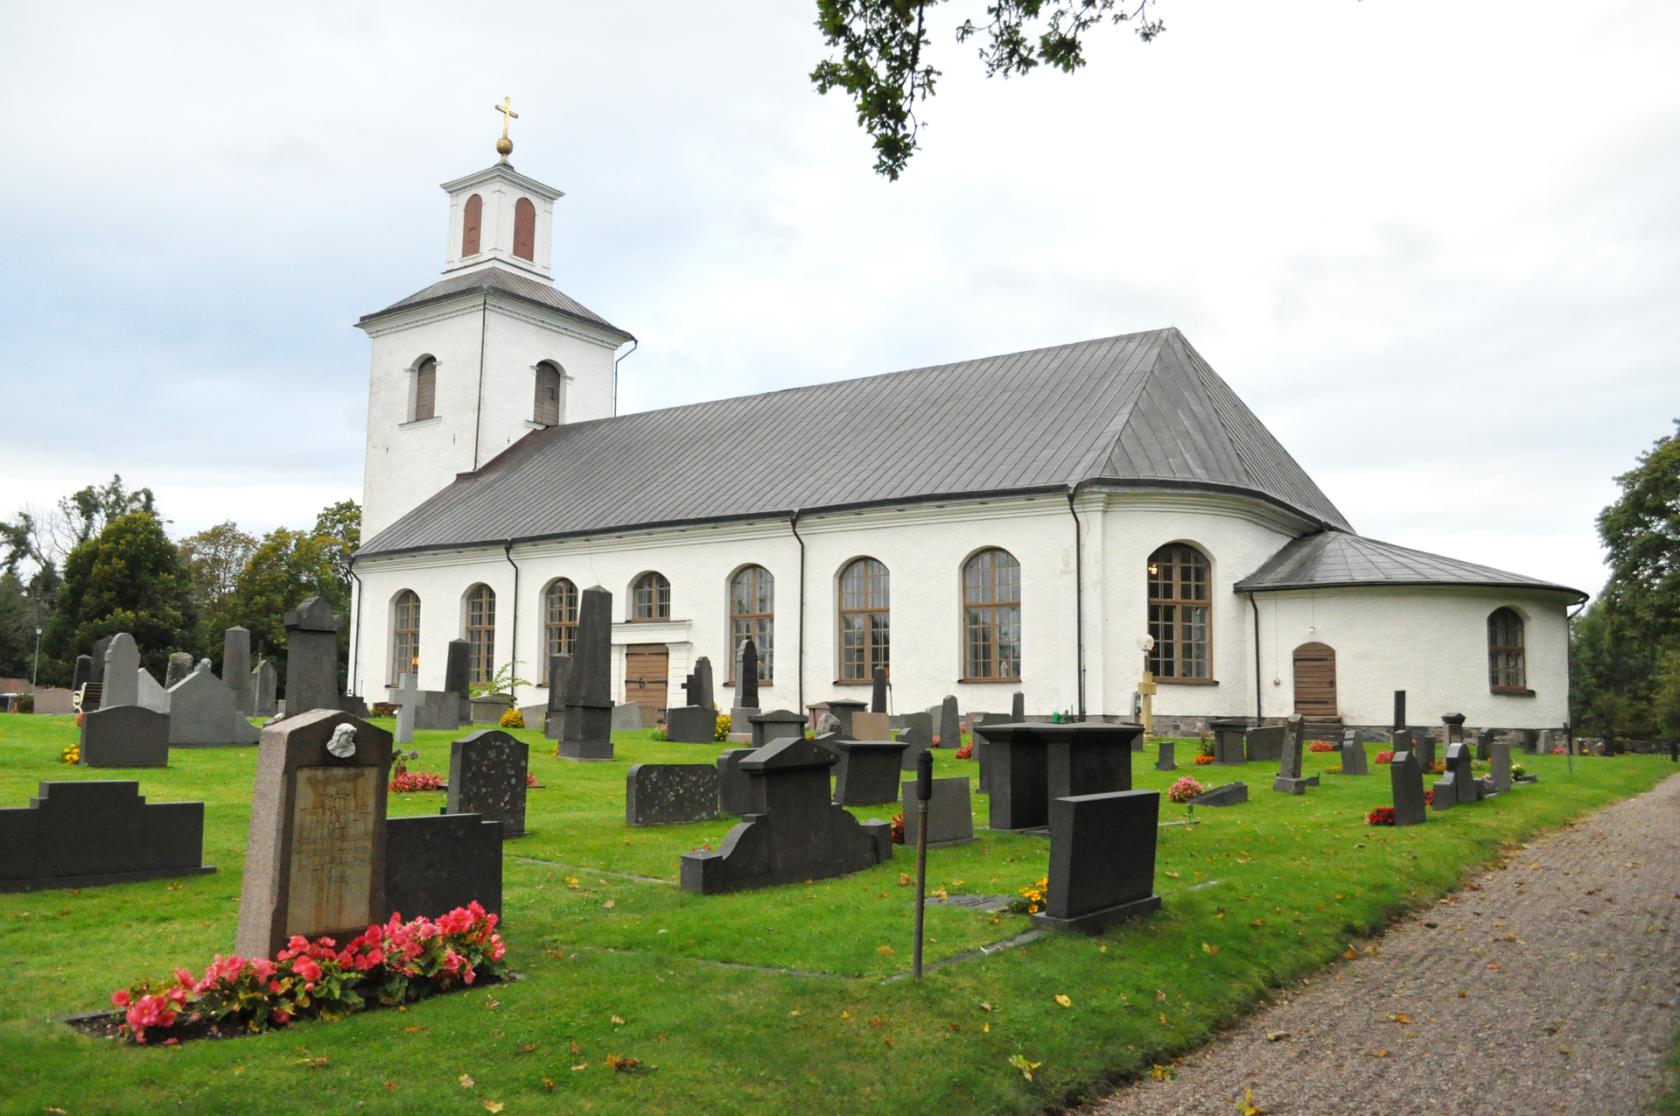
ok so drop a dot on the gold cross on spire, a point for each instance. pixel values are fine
(504, 146)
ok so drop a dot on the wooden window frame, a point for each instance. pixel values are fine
(868, 610)
(559, 635)
(753, 623)
(403, 637)
(1503, 653)
(993, 607)
(424, 400)
(1179, 638)
(545, 371)
(659, 594)
(479, 616)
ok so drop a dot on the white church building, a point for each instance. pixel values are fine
(1017, 522)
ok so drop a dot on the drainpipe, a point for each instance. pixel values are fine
(799, 685)
(513, 688)
(1078, 602)
(1257, 689)
(634, 345)
(1569, 679)
(355, 664)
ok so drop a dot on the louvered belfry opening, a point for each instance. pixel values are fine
(425, 390)
(472, 225)
(547, 407)
(524, 229)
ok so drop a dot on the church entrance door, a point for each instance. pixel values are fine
(646, 670)
(1315, 680)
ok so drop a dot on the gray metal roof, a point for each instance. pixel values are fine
(1336, 558)
(1142, 409)
(499, 279)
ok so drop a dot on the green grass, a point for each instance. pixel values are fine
(1254, 896)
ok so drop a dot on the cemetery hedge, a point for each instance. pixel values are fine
(772, 1000)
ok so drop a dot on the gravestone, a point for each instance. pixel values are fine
(236, 668)
(800, 835)
(950, 724)
(868, 771)
(700, 691)
(180, 665)
(125, 736)
(1499, 760)
(878, 691)
(950, 814)
(457, 669)
(83, 674)
(778, 724)
(671, 793)
(1531, 740)
(1231, 794)
(1399, 710)
(93, 832)
(1102, 860)
(1452, 727)
(589, 703)
(921, 721)
(871, 726)
(1018, 706)
(315, 857)
(265, 685)
(1289, 779)
(915, 741)
(1265, 743)
(735, 787)
(202, 713)
(1466, 787)
(407, 698)
(554, 720)
(626, 717)
(1228, 739)
(487, 777)
(438, 709)
(1484, 739)
(99, 648)
(120, 683)
(149, 694)
(311, 658)
(982, 748)
(691, 724)
(1034, 762)
(1445, 796)
(437, 862)
(1164, 760)
(1353, 755)
(1405, 778)
(1424, 740)
(746, 689)
(843, 710)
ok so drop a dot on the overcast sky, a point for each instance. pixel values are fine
(1434, 245)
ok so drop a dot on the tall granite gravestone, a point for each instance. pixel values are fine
(982, 746)
(311, 658)
(1034, 762)
(950, 724)
(844, 710)
(1289, 778)
(121, 684)
(671, 793)
(1452, 725)
(554, 721)
(916, 741)
(1353, 754)
(149, 694)
(868, 771)
(694, 722)
(1466, 787)
(950, 814)
(1405, 778)
(91, 832)
(487, 777)
(1399, 710)
(1018, 707)
(124, 736)
(1102, 860)
(315, 858)
(437, 862)
(100, 646)
(1424, 744)
(457, 676)
(407, 697)
(746, 689)
(202, 713)
(800, 835)
(1228, 735)
(878, 691)
(236, 668)
(589, 703)
(180, 665)
(265, 685)
(1164, 760)
(735, 787)
(777, 724)
(83, 673)
(1499, 760)
(920, 720)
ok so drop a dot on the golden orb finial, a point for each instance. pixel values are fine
(504, 146)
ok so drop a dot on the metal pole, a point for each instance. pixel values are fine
(35, 674)
(924, 791)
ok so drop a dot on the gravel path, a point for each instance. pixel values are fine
(1548, 984)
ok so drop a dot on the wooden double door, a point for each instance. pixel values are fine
(647, 669)
(1315, 680)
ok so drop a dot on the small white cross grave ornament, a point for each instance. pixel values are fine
(343, 742)
(408, 700)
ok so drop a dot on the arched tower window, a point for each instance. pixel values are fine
(481, 633)
(992, 617)
(560, 605)
(425, 390)
(864, 613)
(1180, 611)
(472, 225)
(547, 408)
(405, 635)
(752, 614)
(650, 597)
(524, 229)
(1507, 668)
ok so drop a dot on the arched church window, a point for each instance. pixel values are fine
(547, 409)
(864, 613)
(472, 225)
(650, 597)
(1180, 611)
(1507, 668)
(481, 633)
(405, 635)
(752, 615)
(524, 229)
(425, 390)
(992, 617)
(560, 606)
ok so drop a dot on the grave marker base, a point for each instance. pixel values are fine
(1094, 922)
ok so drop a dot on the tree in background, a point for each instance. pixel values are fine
(127, 578)
(17, 627)
(214, 558)
(288, 567)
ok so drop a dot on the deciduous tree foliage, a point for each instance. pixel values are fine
(288, 567)
(215, 557)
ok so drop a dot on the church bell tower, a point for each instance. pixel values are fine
(489, 354)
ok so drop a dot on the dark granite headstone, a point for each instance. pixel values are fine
(950, 724)
(83, 673)
(589, 703)
(315, 858)
(265, 687)
(125, 736)
(1499, 760)
(1405, 777)
(1453, 726)
(671, 793)
(982, 746)
(1228, 739)
(236, 669)
(736, 789)
(89, 832)
(311, 658)
(777, 724)
(1424, 742)
(627, 717)
(457, 669)
(1484, 739)
(1399, 710)
(554, 720)
(800, 835)
(1102, 860)
(950, 814)
(1164, 759)
(202, 713)
(1034, 762)
(1353, 755)
(1231, 794)
(1289, 778)
(1265, 743)
(1445, 796)
(99, 648)
(487, 777)
(878, 691)
(842, 710)
(746, 674)
(1530, 741)
(1018, 706)
(868, 771)
(691, 724)
(437, 862)
(922, 721)
(915, 742)
(1464, 781)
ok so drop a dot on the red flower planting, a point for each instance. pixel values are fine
(1380, 815)
(1200, 760)
(407, 781)
(1321, 746)
(898, 829)
(966, 751)
(1385, 757)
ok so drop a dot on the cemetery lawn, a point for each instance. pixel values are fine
(765, 1001)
